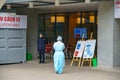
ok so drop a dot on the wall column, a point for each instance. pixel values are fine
(32, 30)
(105, 34)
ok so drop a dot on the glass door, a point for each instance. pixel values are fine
(53, 25)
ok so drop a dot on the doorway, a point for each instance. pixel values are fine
(64, 24)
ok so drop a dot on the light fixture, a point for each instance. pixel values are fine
(92, 19)
(79, 20)
(52, 18)
(58, 19)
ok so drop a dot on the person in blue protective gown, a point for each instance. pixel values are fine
(59, 58)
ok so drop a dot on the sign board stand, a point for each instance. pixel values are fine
(89, 60)
(77, 59)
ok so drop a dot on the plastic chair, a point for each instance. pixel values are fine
(48, 50)
(67, 51)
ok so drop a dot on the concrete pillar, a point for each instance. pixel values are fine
(30, 5)
(8, 6)
(2, 3)
(116, 45)
(32, 35)
(87, 1)
(31, 30)
(57, 2)
(108, 36)
(105, 34)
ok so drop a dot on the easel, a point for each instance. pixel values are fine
(88, 59)
(77, 59)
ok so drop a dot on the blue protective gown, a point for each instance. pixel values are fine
(59, 58)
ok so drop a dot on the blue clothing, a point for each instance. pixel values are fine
(59, 58)
(42, 56)
(41, 48)
(41, 44)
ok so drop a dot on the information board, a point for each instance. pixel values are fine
(89, 49)
(79, 49)
(78, 32)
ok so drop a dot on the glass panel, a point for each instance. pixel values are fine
(53, 25)
(90, 23)
(49, 29)
(60, 19)
(40, 24)
(85, 17)
(74, 21)
(61, 26)
(78, 17)
(91, 17)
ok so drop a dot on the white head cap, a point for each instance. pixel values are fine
(59, 38)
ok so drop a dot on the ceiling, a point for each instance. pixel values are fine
(49, 5)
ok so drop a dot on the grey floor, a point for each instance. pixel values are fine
(31, 70)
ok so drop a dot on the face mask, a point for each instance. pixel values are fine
(40, 35)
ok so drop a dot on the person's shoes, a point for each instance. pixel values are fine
(40, 62)
(57, 72)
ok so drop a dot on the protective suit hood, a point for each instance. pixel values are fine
(59, 38)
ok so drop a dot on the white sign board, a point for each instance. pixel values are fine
(13, 21)
(89, 49)
(117, 8)
(79, 49)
